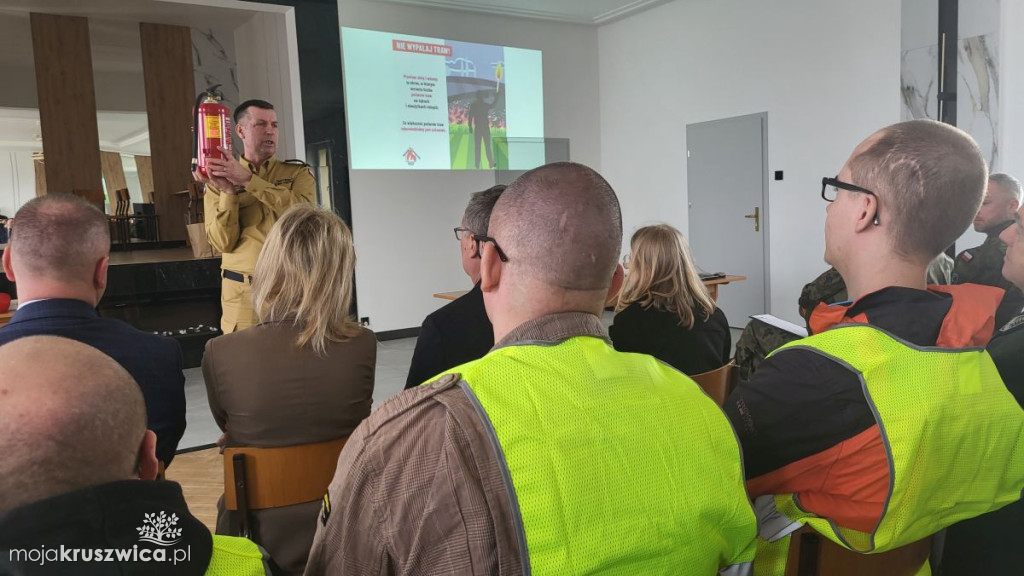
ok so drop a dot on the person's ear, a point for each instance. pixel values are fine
(490, 268)
(618, 277)
(868, 215)
(148, 466)
(8, 269)
(99, 278)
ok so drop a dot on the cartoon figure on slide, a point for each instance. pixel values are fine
(480, 126)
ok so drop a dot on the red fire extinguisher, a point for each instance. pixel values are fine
(211, 128)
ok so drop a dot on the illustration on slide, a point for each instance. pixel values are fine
(475, 75)
(411, 156)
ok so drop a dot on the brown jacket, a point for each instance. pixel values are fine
(265, 391)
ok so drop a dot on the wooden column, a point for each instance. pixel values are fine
(67, 104)
(144, 165)
(113, 171)
(170, 93)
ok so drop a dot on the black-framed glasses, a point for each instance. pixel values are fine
(830, 195)
(501, 253)
(830, 190)
(461, 232)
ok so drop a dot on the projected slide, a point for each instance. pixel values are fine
(418, 103)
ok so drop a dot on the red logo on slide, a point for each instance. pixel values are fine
(411, 156)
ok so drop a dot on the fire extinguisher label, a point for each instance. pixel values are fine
(213, 126)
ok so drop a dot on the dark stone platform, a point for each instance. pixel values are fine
(168, 292)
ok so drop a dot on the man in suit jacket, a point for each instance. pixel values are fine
(459, 331)
(58, 254)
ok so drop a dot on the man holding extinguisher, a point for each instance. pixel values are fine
(243, 199)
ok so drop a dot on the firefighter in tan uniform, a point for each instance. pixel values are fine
(243, 200)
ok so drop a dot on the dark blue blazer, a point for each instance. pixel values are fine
(154, 361)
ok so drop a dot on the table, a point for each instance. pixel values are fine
(711, 283)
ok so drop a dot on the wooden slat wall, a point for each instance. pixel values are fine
(40, 177)
(113, 172)
(170, 93)
(144, 164)
(67, 102)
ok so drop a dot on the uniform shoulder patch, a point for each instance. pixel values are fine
(325, 510)
(966, 256)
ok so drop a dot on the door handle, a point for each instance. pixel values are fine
(757, 218)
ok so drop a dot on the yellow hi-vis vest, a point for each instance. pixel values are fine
(952, 435)
(237, 557)
(614, 463)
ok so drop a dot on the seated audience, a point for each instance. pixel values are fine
(990, 544)
(760, 338)
(74, 443)
(665, 310)
(553, 454)
(459, 331)
(303, 375)
(983, 264)
(58, 254)
(838, 429)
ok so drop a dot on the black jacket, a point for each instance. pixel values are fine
(455, 334)
(704, 347)
(105, 517)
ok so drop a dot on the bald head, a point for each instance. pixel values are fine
(70, 417)
(59, 237)
(561, 227)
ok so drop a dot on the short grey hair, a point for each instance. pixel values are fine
(60, 237)
(1008, 183)
(478, 211)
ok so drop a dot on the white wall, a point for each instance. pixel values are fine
(827, 74)
(17, 180)
(267, 56)
(402, 221)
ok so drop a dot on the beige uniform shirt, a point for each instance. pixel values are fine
(238, 224)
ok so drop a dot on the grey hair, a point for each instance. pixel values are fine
(1008, 183)
(478, 211)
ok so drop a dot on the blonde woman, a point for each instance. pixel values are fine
(304, 374)
(665, 310)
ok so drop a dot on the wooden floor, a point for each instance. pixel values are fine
(201, 475)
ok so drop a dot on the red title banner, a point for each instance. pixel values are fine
(421, 48)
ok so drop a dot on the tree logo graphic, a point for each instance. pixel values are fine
(159, 529)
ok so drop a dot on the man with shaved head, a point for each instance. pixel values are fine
(74, 443)
(890, 422)
(552, 454)
(58, 254)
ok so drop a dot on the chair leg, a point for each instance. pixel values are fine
(241, 498)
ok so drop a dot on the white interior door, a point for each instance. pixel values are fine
(727, 183)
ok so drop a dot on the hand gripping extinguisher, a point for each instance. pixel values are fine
(211, 128)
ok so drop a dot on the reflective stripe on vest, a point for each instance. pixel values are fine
(237, 557)
(951, 430)
(614, 463)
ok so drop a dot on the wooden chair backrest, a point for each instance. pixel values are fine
(811, 554)
(719, 383)
(124, 201)
(276, 477)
